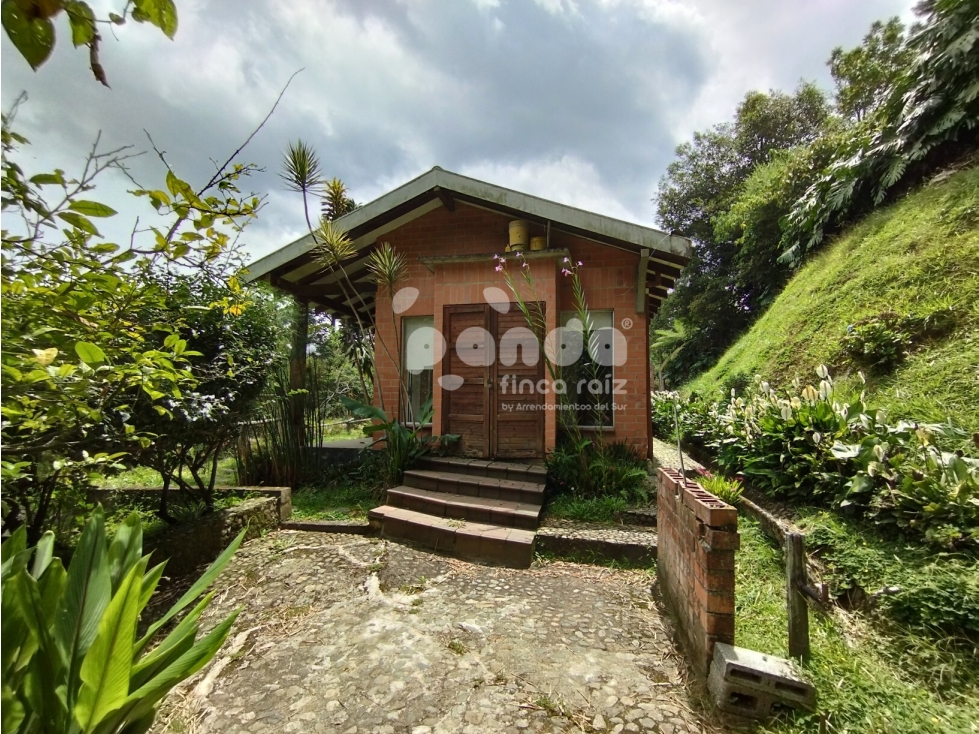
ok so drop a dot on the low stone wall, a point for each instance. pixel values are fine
(698, 535)
(200, 542)
(109, 498)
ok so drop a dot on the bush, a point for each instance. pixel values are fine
(72, 660)
(590, 469)
(404, 445)
(880, 343)
(935, 594)
(807, 447)
(726, 490)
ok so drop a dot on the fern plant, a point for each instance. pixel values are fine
(931, 113)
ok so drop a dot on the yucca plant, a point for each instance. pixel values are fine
(72, 660)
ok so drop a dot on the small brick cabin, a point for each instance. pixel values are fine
(454, 323)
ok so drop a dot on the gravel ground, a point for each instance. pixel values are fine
(666, 455)
(340, 633)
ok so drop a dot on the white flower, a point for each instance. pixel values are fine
(822, 372)
(786, 412)
(817, 437)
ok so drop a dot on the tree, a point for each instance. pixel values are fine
(666, 347)
(929, 118)
(77, 359)
(235, 350)
(30, 27)
(766, 123)
(700, 186)
(864, 75)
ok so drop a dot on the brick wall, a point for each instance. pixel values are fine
(697, 538)
(608, 276)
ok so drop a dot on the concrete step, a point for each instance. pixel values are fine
(490, 488)
(516, 471)
(465, 507)
(511, 547)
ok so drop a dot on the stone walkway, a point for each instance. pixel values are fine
(341, 633)
(666, 455)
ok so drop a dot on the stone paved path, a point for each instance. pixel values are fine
(348, 634)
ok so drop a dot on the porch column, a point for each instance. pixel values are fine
(297, 368)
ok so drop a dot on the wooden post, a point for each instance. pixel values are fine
(795, 577)
(297, 367)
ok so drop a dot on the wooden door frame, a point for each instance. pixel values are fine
(491, 377)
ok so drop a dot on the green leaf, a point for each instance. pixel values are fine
(89, 353)
(87, 592)
(43, 179)
(79, 222)
(194, 591)
(150, 581)
(82, 21)
(126, 549)
(92, 208)
(13, 710)
(161, 13)
(43, 553)
(106, 668)
(145, 697)
(33, 37)
(180, 639)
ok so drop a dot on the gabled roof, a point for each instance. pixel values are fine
(292, 266)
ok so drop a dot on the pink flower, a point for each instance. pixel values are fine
(579, 263)
(566, 260)
(496, 257)
(525, 264)
(499, 268)
(565, 271)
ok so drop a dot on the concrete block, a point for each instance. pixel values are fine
(750, 683)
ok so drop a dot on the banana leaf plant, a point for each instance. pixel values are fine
(72, 660)
(405, 443)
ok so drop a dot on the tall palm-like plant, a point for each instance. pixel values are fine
(666, 347)
(389, 268)
(336, 200)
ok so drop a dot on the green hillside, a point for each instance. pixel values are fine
(919, 256)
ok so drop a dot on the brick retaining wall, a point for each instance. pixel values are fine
(698, 535)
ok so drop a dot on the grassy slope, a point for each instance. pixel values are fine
(917, 255)
(866, 681)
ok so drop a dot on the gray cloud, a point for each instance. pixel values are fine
(582, 102)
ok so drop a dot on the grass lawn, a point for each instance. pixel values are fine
(871, 674)
(343, 499)
(142, 476)
(579, 509)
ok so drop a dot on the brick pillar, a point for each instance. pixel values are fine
(697, 539)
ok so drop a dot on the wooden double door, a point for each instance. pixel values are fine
(491, 396)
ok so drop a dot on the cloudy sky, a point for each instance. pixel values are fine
(579, 101)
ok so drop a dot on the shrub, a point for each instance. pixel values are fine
(72, 660)
(804, 445)
(726, 490)
(404, 444)
(881, 343)
(589, 469)
(937, 594)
